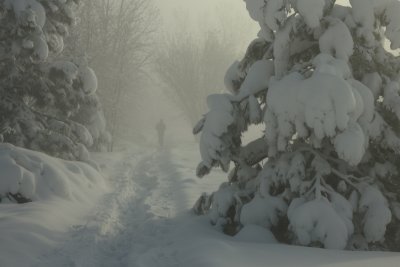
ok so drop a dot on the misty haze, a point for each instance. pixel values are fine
(199, 133)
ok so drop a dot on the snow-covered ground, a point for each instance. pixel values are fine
(143, 219)
(62, 192)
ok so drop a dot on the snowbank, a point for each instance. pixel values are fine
(197, 244)
(62, 192)
(39, 177)
(155, 230)
(194, 242)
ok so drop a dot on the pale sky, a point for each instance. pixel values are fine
(196, 7)
(205, 9)
(198, 15)
(201, 13)
(205, 14)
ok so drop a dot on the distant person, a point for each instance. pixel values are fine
(160, 127)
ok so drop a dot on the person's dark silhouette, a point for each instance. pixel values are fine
(160, 127)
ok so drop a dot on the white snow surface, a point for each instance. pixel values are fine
(62, 192)
(377, 213)
(263, 211)
(254, 233)
(317, 220)
(143, 219)
(40, 177)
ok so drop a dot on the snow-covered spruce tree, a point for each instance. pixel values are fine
(39, 95)
(326, 172)
(91, 115)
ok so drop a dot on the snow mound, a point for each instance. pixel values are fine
(263, 211)
(255, 234)
(63, 193)
(377, 213)
(38, 177)
(317, 221)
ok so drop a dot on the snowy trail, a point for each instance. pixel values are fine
(144, 221)
(128, 222)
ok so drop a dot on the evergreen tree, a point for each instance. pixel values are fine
(39, 94)
(326, 171)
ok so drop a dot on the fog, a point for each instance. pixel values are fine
(198, 13)
(196, 18)
(100, 100)
(193, 17)
(183, 25)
